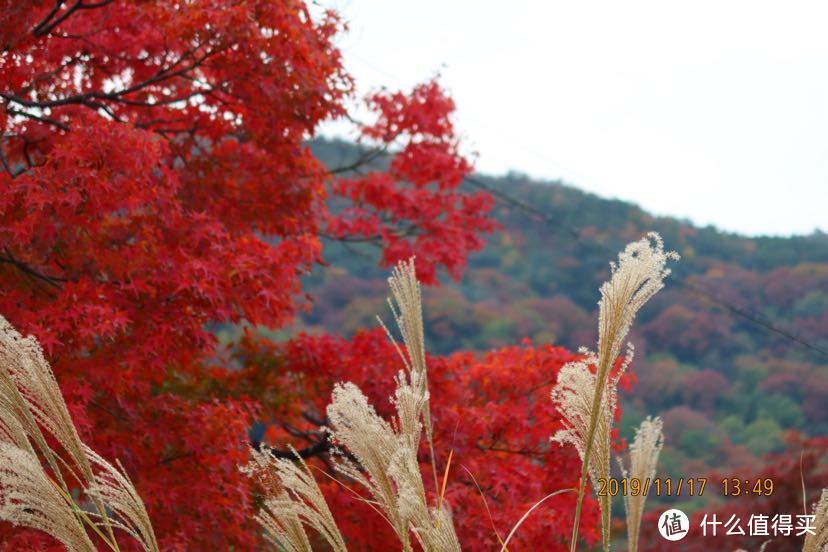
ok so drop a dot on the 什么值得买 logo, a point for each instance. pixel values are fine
(673, 525)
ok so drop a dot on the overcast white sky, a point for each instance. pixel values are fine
(715, 111)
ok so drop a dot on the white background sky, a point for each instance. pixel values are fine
(715, 111)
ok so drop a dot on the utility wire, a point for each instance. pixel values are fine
(743, 312)
(555, 224)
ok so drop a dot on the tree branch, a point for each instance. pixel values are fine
(28, 270)
(47, 25)
(40, 118)
(363, 159)
(317, 449)
(49, 16)
(525, 452)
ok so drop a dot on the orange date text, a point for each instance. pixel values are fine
(689, 486)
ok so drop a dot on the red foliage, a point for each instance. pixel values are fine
(444, 222)
(155, 180)
(493, 412)
(702, 388)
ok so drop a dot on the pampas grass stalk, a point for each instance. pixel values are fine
(28, 498)
(294, 500)
(638, 276)
(407, 310)
(32, 407)
(387, 452)
(382, 455)
(644, 452)
(574, 393)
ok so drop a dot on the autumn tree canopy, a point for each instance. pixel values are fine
(155, 180)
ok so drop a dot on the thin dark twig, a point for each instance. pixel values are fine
(46, 26)
(9, 258)
(48, 17)
(363, 159)
(317, 449)
(40, 118)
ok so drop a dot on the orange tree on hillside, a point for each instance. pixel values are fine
(155, 180)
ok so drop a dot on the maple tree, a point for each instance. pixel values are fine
(155, 179)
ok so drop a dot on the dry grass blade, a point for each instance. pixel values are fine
(486, 505)
(526, 515)
(445, 480)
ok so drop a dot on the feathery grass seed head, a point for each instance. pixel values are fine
(293, 501)
(637, 276)
(30, 499)
(644, 452)
(30, 404)
(819, 541)
(113, 487)
(574, 394)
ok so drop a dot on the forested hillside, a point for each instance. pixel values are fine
(727, 386)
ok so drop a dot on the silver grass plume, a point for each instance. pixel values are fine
(284, 529)
(386, 465)
(432, 527)
(574, 393)
(386, 453)
(12, 430)
(638, 275)
(819, 542)
(24, 364)
(382, 455)
(112, 487)
(407, 309)
(31, 393)
(31, 403)
(372, 442)
(20, 357)
(644, 452)
(293, 501)
(30, 499)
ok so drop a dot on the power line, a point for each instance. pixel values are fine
(743, 312)
(551, 221)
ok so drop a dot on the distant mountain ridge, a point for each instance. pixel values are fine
(727, 387)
